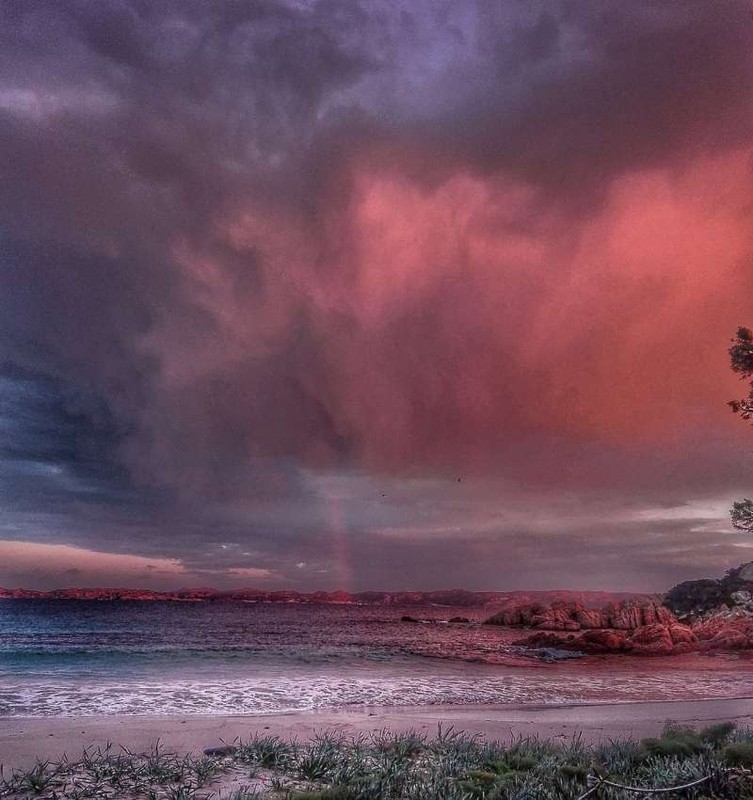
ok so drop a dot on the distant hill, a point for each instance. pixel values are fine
(448, 597)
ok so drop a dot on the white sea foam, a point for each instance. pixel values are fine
(268, 696)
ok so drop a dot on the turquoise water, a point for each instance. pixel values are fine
(71, 658)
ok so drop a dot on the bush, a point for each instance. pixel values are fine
(717, 735)
(387, 766)
(676, 741)
(739, 754)
(518, 762)
(694, 596)
(333, 793)
(573, 771)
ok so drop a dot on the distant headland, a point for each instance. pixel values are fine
(445, 597)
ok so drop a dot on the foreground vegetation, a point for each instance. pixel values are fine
(452, 766)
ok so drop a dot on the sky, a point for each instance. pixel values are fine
(329, 294)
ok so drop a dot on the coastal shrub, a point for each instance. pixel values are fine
(516, 761)
(331, 793)
(666, 747)
(42, 776)
(694, 597)
(184, 792)
(489, 785)
(621, 755)
(405, 745)
(482, 776)
(674, 731)
(675, 741)
(269, 752)
(478, 783)
(573, 771)
(743, 735)
(314, 766)
(739, 754)
(719, 734)
(407, 766)
(277, 783)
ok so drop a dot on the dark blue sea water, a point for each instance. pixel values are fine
(78, 658)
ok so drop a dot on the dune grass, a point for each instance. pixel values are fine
(450, 765)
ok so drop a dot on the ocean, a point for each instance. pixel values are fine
(65, 657)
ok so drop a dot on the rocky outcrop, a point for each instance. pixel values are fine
(682, 634)
(593, 641)
(723, 630)
(731, 630)
(661, 640)
(589, 618)
(647, 640)
(603, 641)
(720, 612)
(555, 617)
(641, 628)
(629, 616)
(713, 615)
(574, 616)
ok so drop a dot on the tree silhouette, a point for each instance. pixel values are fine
(741, 360)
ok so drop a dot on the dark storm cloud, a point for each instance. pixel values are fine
(604, 87)
(211, 288)
(58, 459)
(153, 118)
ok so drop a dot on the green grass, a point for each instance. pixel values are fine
(409, 766)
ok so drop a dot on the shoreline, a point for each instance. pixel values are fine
(24, 740)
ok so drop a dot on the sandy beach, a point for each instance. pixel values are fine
(23, 740)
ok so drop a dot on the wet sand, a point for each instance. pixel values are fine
(23, 740)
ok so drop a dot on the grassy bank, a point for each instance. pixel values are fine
(451, 765)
